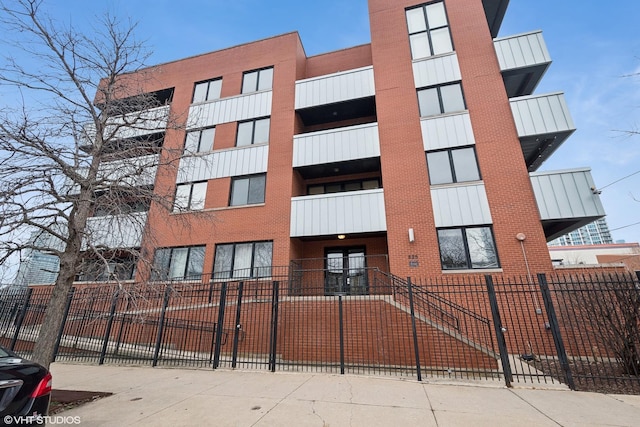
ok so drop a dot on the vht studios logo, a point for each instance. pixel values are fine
(40, 420)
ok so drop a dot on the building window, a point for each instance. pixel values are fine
(109, 269)
(253, 132)
(247, 190)
(339, 187)
(467, 248)
(200, 141)
(253, 81)
(429, 30)
(441, 99)
(455, 165)
(190, 196)
(242, 260)
(207, 91)
(178, 263)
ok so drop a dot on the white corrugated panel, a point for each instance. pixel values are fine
(523, 50)
(460, 205)
(116, 231)
(336, 145)
(237, 108)
(437, 70)
(136, 171)
(541, 114)
(566, 194)
(224, 163)
(338, 213)
(337, 87)
(447, 131)
(132, 125)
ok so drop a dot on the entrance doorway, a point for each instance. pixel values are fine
(345, 272)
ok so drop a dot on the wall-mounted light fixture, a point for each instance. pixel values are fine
(412, 236)
(341, 236)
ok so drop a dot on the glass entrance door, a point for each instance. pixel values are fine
(346, 272)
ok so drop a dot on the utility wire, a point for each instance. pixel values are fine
(625, 226)
(616, 181)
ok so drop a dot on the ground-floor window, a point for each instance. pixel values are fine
(178, 263)
(467, 248)
(242, 260)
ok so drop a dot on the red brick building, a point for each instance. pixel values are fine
(416, 154)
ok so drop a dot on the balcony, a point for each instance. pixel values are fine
(336, 145)
(543, 123)
(136, 172)
(336, 97)
(495, 10)
(133, 125)
(117, 231)
(338, 213)
(523, 61)
(566, 200)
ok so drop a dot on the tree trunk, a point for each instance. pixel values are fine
(44, 348)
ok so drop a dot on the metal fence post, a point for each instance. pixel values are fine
(341, 326)
(500, 330)
(555, 330)
(237, 327)
(64, 321)
(274, 326)
(20, 319)
(165, 304)
(217, 349)
(107, 333)
(416, 347)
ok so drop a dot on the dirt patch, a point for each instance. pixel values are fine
(598, 377)
(61, 400)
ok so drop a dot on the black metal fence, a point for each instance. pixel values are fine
(581, 331)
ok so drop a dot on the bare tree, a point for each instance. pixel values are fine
(88, 147)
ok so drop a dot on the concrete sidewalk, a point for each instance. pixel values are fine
(181, 397)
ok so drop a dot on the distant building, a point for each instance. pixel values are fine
(37, 267)
(596, 233)
(627, 254)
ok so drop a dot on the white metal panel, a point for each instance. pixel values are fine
(136, 171)
(336, 145)
(460, 205)
(224, 163)
(338, 213)
(522, 50)
(132, 125)
(116, 231)
(226, 110)
(337, 87)
(566, 194)
(541, 114)
(436, 70)
(447, 131)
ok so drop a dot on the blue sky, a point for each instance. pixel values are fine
(593, 45)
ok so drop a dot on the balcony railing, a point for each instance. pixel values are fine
(338, 213)
(133, 125)
(117, 231)
(543, 123)
(334, 88)
(336, 145)
(523, 59)
(566, 200)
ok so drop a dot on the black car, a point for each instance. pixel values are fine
(25, 390)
